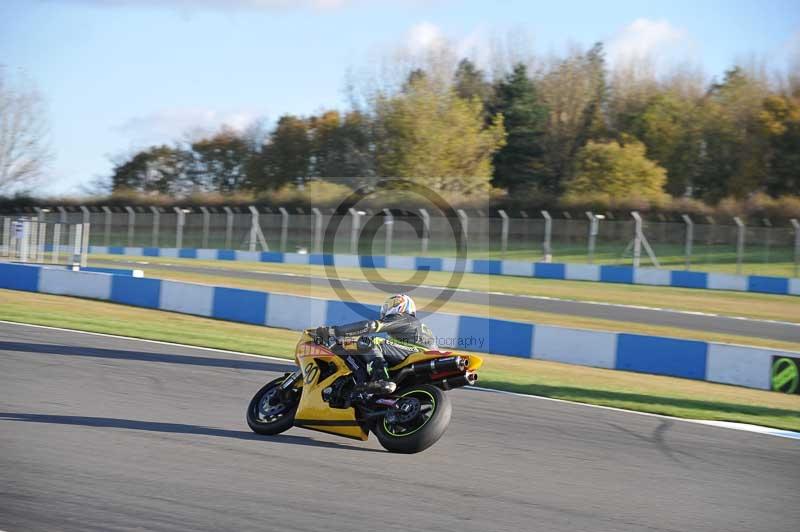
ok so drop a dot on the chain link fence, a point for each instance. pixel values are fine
(701, 244)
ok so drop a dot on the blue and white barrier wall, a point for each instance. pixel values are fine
(541, 270)
(691, 359)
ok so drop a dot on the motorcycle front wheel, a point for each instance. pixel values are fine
(271, 411)
(422, 415)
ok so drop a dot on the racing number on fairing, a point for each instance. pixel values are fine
(310, 371)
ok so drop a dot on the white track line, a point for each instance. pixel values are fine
(758, 429)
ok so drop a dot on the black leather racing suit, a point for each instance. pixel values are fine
(406, 335)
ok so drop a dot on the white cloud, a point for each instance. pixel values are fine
(168, 125)
(424, 36)
(645, 38)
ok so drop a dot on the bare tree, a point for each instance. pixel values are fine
(24, 151)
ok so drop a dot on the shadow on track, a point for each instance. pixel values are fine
(175, 428)
(69, 350)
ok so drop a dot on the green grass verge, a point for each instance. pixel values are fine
(646, 393)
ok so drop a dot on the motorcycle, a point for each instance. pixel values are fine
(324, 394)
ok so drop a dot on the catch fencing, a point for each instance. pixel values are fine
(689, 242)
(31, 239)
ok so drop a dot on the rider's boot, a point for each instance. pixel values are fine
(379, 380)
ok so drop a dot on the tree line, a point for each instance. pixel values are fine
(570, 128)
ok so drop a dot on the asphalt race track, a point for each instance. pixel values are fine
(788, 332)
(103, 433)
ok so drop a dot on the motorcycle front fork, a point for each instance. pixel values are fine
(290, 380)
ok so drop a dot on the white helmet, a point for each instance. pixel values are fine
(398, 304)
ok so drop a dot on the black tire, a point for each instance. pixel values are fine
(431, 429)
(282, 421)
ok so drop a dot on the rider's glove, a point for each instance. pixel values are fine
(365, 343)
(324, 334)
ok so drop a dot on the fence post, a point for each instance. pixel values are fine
(32, 239)
(156, 224)
(796, 226)
(284, 227)
(548, 233)
(14, 227)
(179, 227)
(594, 227)
(503, 233)
(388, 221)
(354, 229)
(40, 244)
(9, 242)
(464, 224)
(87, 215)
(6, 236)
(54, 256)
(206, 224)
(426, 229)
(637, 239)
(76, 244)
(317, 229)
(62, 214)
(84, 244)
(228, 227)
(689, 239)
(24, 241)
(254, 227)
(70, 233)
(36, 229)
(107, 235)
(739, 243)
(131, 224)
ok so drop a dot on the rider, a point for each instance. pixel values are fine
(406, 335)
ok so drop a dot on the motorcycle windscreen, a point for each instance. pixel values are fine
(320, 368)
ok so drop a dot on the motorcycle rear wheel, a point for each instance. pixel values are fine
(427, 418)
(267, 413)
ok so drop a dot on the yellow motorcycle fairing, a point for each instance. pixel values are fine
(320, 367)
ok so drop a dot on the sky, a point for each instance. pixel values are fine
(118, 75)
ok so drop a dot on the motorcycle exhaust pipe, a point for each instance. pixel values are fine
(440, 365)
(467, 379)
(454, 364)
